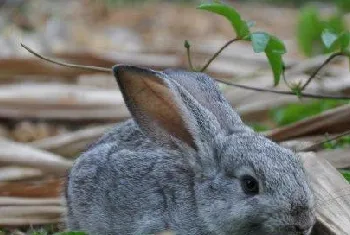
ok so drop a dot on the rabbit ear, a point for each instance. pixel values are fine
(152, 104)
(206, 92)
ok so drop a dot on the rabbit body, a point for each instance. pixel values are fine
(125, 184)
(193, 169)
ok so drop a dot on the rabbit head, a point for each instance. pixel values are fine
(244, 184)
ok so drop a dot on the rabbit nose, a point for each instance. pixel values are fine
(298, 209)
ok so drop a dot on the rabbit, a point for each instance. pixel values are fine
(185, 162)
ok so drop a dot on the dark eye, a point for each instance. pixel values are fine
(249, 184)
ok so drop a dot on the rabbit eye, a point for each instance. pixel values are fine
(249, 184)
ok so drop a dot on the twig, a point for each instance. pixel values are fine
(327, 61)
(93, 68)
(314, 146)
(303, 94)
(187, 46)
(285, 79)
(217, 54)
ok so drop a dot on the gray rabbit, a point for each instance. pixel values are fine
(185, 162)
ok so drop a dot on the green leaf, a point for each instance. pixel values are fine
(343, 5)
(342, 142)
(42, 232)
(346, 174)
(274, 51)
(328, 38)
(259, 41)
(258, 127)
(312, 39)
(297, 90)
(344, 40)
(309, 29)
(295, 112)
(187, 44)
(276, 64)
(240, 26)
(336, 23)
(341, 43)
(276, 45)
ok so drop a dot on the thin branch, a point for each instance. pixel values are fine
(285, 79)
(327, 61)
(303, 94)
(187, 45)
(101, 69)
(316, 145)
(93, 68)
(217, 54)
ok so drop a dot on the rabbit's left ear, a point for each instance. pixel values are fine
(153, 104)
(206, 93)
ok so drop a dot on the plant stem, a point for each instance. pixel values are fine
(327, 61)
(314, 146)
(187, 45)
(93, 68)
(218, 53)
(285, 79)
(302, 94)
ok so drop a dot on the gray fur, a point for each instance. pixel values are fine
(129, 183)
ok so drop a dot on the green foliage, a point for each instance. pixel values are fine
(261, 41)
(276, 63)
(314, 35)
(40, 232)
(336, 22)
(187, 44)
(274, 49)
(297, 89)
(44, 230)
(328, 38)
(335, 42)
(343, 5)
(311, 28)
(240, 26)
(296, 112)
(258, 127)
(346, 174)
(343, 142)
